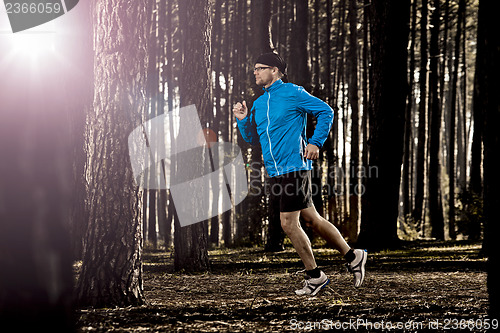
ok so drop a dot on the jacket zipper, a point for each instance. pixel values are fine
(268, 137)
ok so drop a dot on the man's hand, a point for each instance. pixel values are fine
(240, 110)
(311, 152)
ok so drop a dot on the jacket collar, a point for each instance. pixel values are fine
(277, 84)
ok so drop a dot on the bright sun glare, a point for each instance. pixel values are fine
(32, 44)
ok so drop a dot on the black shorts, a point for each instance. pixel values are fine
(291, 191)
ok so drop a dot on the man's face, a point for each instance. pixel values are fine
(264, 74)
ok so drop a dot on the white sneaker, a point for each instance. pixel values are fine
(313, 285)
(357, 267)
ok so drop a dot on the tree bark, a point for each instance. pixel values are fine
(389, 87)
(352, 57)
(422, 119)
(298, 59)
(453, 106)
(435, 206)
(111, 272)
(191, 242)
(406, 186)
(478, 108)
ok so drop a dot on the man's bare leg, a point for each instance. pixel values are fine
(291, 226)
(325, 229)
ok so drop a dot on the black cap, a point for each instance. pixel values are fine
(272, 59)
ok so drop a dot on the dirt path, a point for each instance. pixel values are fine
(417, 288)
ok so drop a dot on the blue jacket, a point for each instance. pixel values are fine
(278, 120)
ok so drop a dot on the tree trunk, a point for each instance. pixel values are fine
(216, 61)
(365, 90)
(389, 87)
(190, 242)
(435, 206)
(422, 125)
(453, 107)
(227, 119)
(406, 187)
(152, 92)
(261, 27)
(152, 236)
(478, 108)
(298, 59)
(111, 269)
(352, 57)
(488, 89)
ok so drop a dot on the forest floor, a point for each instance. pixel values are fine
(422, 286)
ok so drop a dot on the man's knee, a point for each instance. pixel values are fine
(311, 218)
(289, 222)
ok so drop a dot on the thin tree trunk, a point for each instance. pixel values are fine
(422, 119)
(478, 107)
(453, 106)
(216, 60)
(227, 120)
(152, 93)
(408, 139)
(365, 88)
(352, 57)
(435, 206)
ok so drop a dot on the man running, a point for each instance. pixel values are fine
(278, 121)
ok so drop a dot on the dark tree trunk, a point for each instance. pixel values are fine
(168, 79)
(216, 62)
(152, 94)
(422, 125)
(227, 119)
(435, 205)
(261, 27)
(478, 108)
(111, 268)
(406, 186)
(152, 236)
(453, 107)
(488, 89)
(298, 59)
(160, 89)
(352, 57)
(365, 88)
(191, 242)
(389, 87)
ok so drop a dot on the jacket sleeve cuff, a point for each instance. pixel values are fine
(318, 144)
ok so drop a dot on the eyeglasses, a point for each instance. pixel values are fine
(259, 69)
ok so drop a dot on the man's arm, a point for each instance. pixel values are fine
(319, 109)
(246, 124)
